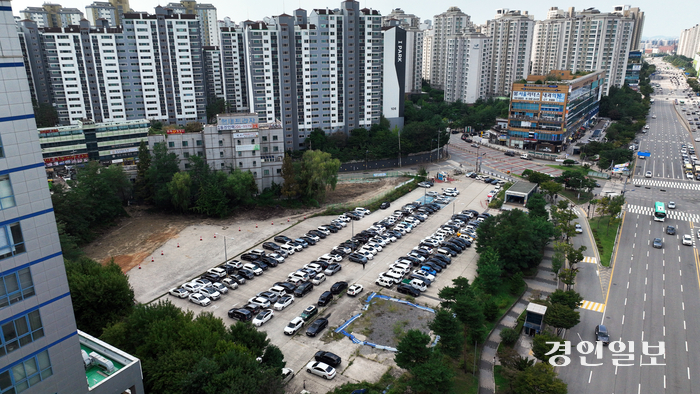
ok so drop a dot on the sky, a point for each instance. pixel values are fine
(661, 19)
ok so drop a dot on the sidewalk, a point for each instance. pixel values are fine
(541, 285)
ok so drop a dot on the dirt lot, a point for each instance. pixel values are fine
(385, 322)
(133, 238)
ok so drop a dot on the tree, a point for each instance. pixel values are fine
(216, 106)
(449, 329)
(568, 276)
(568, 298)
(101, 295)
(489, 270)
(536, 177)
(141, 187)
(180, 191)
(561, 317)
(45, 114)
(290, 187)
(163, 166)
(602, 207)
(562, 216)
(509, 336)
(316, 172)
(517, 238)
(540, 347)
(536, 206)
(539, 379)
(413, 350)
(193, 127)
(575, 256)
(551, 188)
(433, 376)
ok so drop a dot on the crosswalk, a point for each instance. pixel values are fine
(592, 306)
(670, 213)
(589, 259)
(666, 184)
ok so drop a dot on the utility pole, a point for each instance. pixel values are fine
(399, 148)
(438, 152)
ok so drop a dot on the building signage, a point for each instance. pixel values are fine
(554, 97)
(502, 138)
(245, 135)
(531, 96)
(62, 160)
(247, 147)
(237, 126)
(47, 131)
(175, 131)
(243, 120)
(122, 151)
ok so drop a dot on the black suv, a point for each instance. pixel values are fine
(407, 289)
(282, 239)
(325, 298)
(328, 358)
(338, 287)
(601, 334)
(316, 327)
(670, 230)
(303, 289)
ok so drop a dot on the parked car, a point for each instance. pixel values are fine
(408, 289)
(263, 317)
(316, 327)
(240, 314)
(385, 205)
(323, 370)
(283, 302)
(355, 289)
(199, 299)
(601, 334)
(328, 358)
(339, 287)
(293, 326)
(179, 292)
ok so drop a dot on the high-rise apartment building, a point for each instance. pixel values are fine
(583, 41)
(511, 46)
(411, 47)
(152, 67)
(689, 42)
(396, 53)
(52, 15)
(233, 70)
(41, 350)
(206, 13)
(397, 17)
(638, 16)
(468, 65)
(111, 11)
(427, 53)
(445, 26)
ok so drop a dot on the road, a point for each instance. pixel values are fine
(653, 293)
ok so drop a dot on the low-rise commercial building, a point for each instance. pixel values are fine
(237, 141)
(547, 112)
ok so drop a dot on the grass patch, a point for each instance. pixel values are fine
(572, 195)
(604, 236)
(331, 335)
(562, 167)
(501, 382)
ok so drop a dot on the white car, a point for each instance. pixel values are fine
(297, 248)
(276, 256)
(262, 301)
(192, 287)
(179, 292)
(324, 230)
(369, 249)
(318, 279)
(199, 299)
(432, 194)
(263, 317)
(362, 210)
(314, 266)
(449, 194)
(452, 190)
(344, 218)
(220, 287)
(323, 370)
(424, 274)
(289, 249)
(688, 240)
(230, 283)
(284, 302)
(672, 205)
(294, 326)
(210, 293)
(648, 174)
(355, 289)
(220, 272)
(366, 254)
(579, 229)
(256, 270)
(327, 256)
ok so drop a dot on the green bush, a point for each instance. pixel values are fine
(509, 336)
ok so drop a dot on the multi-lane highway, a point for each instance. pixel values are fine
(654, 294)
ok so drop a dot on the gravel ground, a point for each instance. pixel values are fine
(385, 322)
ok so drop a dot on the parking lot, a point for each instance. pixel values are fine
(185, 257)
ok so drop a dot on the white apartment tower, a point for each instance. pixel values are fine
(689, 42)
(583, 41)
(511, 45)
(206, 13)
(102, 10)
(52, 15)
(427, 53)
(445, 26)
(468, 61)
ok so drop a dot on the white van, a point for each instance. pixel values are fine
(278, 290)
(289, 249)
(384, 281)
(395, 276)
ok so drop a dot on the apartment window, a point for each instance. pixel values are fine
(7, 198)
(264, 138)
(279, 171)
(184, 144)
(264, 149)
(199, 142)
(255, 163)
(221, 155)
(16, 287)
(186, 155)
(20, 332)
(266, 172)
(11, 240)
(274, 138)
(240, 164)
(171, 144)
(275, 148)
(26, 374)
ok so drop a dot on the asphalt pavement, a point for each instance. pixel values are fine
(653, 294)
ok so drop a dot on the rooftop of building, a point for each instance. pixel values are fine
(104, 360)
(560, 77)
(522, 187)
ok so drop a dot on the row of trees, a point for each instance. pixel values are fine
(683, 62)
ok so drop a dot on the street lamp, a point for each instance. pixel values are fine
(225, 249)
(366, 153)
(399, 148)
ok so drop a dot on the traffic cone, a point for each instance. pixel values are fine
(152, 260)
(271, 223)
(214, 235)
(200, 237)
(256, 225)
(178, 244)
(139, 265)
(287, 220)
(239, 229)
(161, 252)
